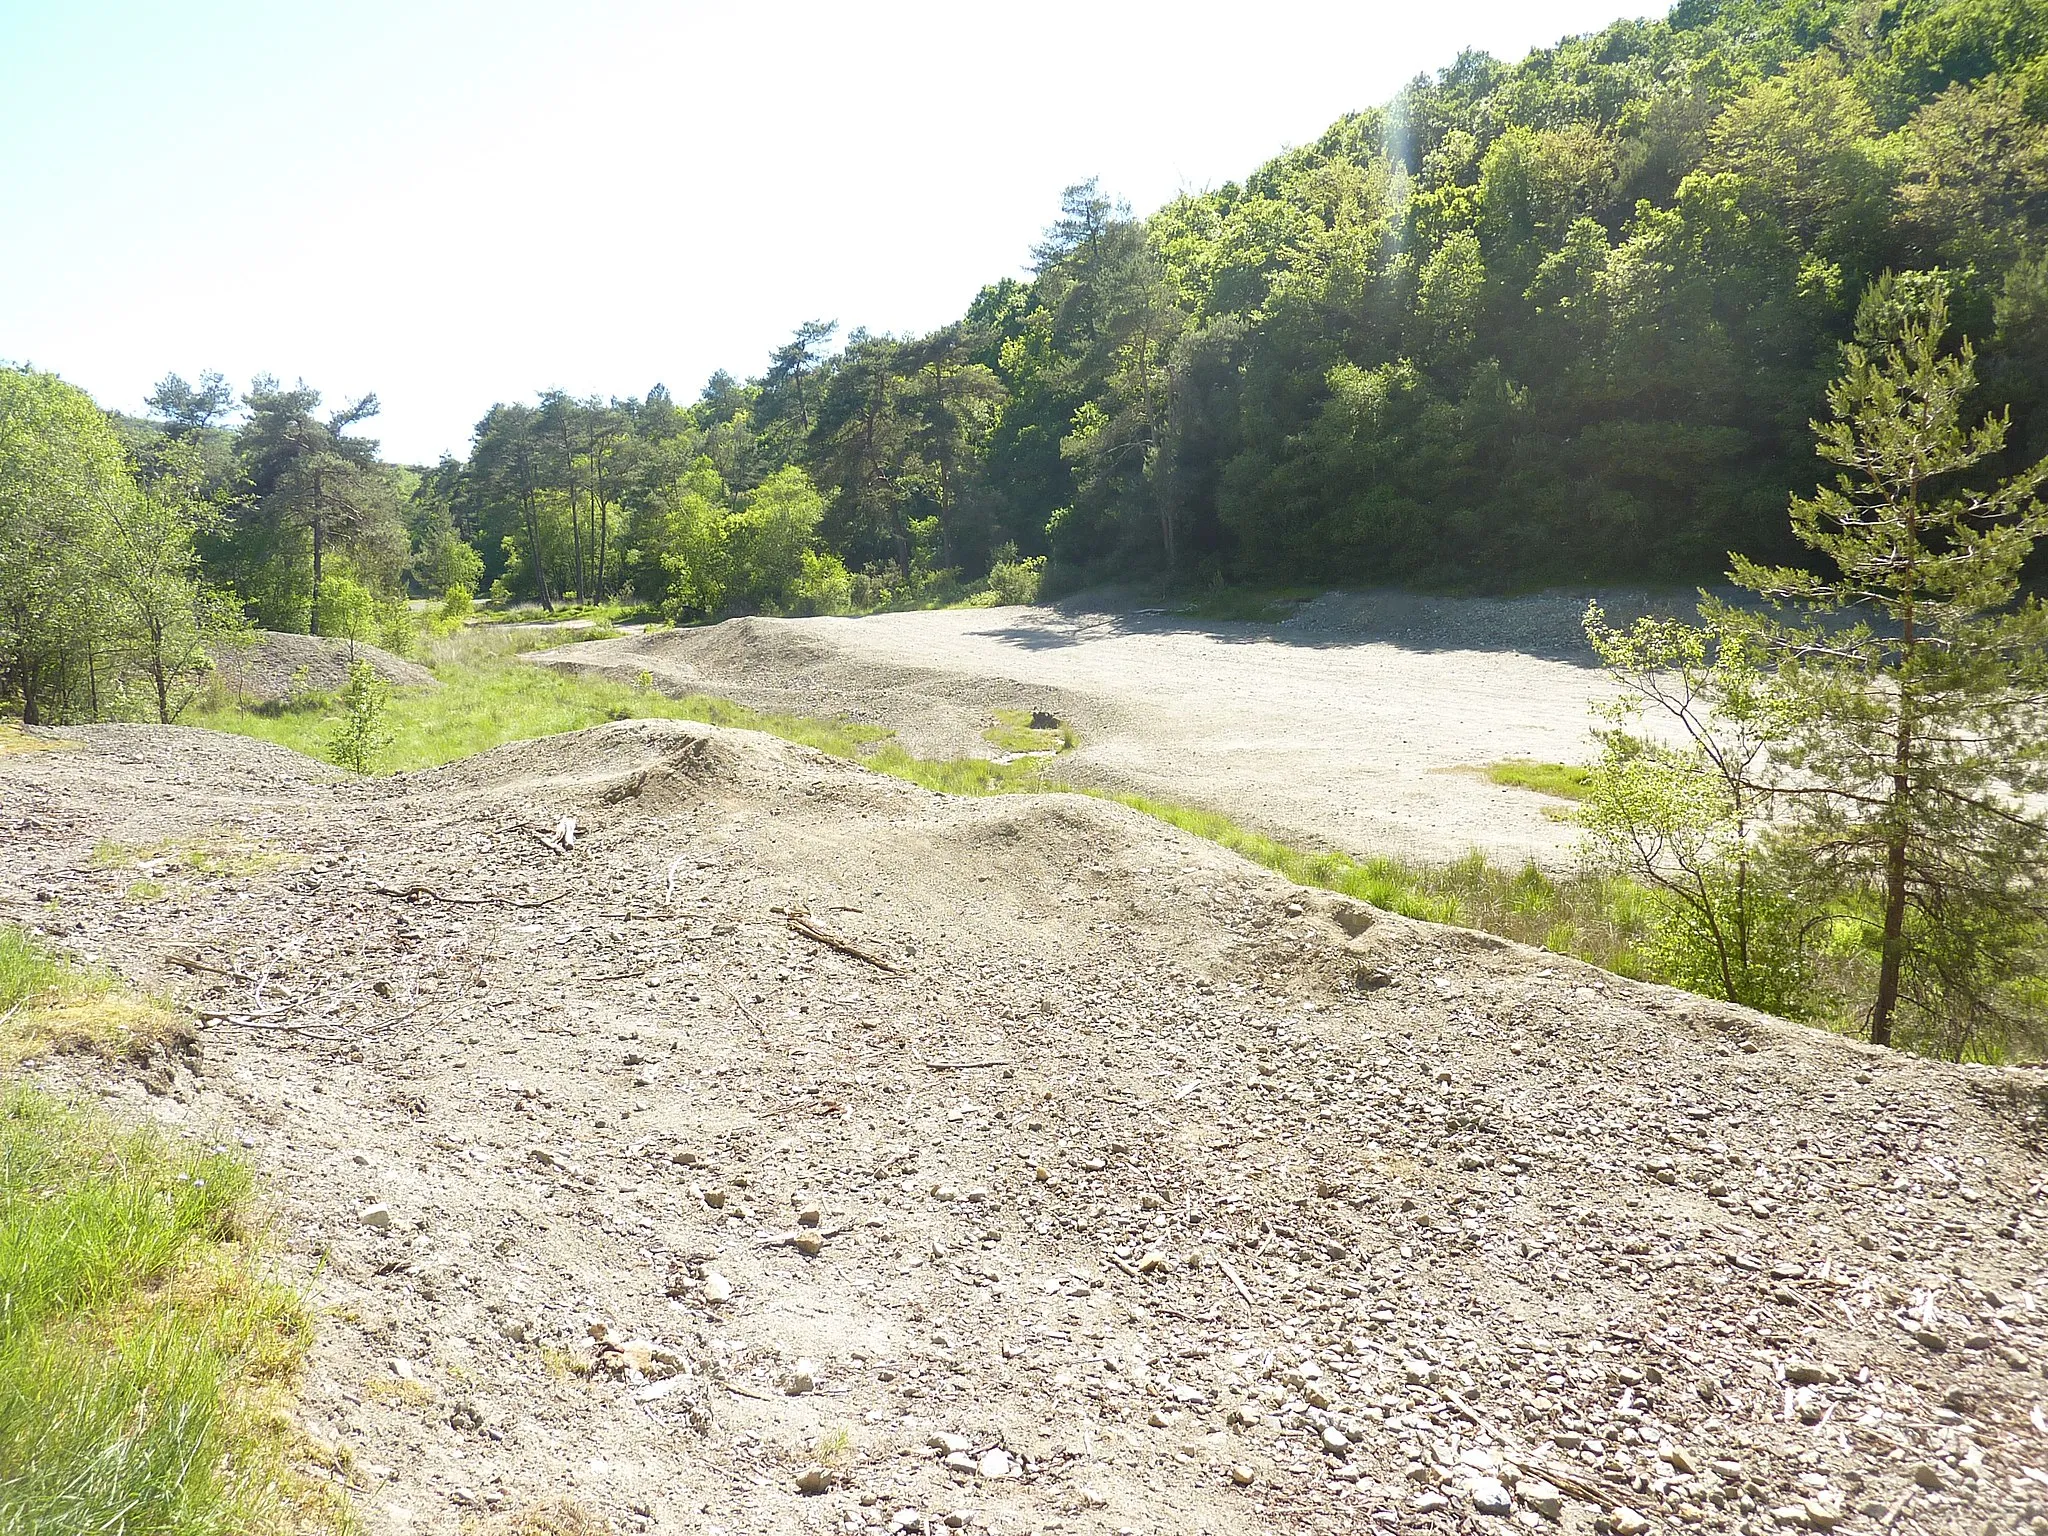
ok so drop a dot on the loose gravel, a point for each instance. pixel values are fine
(1098, 1182)
(1362, 722)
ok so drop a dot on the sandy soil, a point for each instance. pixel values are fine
(1132, 1191)
(1356, 724)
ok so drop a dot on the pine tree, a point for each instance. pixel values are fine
(1914, 748)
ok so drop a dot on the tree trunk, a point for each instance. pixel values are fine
(319, 549)
(1899, 831)
(1894, 908)
(575, 513)
(900, 533)
(159, 674)
(576, 542)
(540, 565)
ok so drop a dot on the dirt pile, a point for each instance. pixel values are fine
(277, 666)
(788, 1149)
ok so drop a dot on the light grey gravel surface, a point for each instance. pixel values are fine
(1360, 723)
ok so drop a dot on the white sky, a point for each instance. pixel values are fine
(454, 203)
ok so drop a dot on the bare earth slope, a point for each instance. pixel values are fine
(1143, 1192)
(1356, 724)
(273, 666)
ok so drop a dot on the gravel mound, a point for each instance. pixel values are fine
(793, 1150)
(268, 672)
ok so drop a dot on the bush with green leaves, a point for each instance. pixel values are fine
(346, 609)
(1685, 809)
(823, 586)
(357, 735)
(1014, 580)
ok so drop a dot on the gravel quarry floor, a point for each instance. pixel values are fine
(1358, 723)
(1097, 1182)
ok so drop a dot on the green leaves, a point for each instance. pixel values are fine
(1910, 743)
(1685, 806)
(356, 735)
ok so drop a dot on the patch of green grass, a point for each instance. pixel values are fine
(33, 974)
(1014, 732)
(14, 739)
(1563, 780)
(485, 703)
(144, 1358)
(961, 775)
(219, 857)
(1599, 920)
(49, 1002)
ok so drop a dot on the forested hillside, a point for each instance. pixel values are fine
(1564, 318)
(1561, 319)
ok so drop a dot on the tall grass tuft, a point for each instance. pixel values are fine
(139, 1345)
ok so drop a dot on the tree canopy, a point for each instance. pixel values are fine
(1565, 318)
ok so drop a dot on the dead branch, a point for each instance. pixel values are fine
(415, 892)
(1230, 1272)
(199, 967)
(747, 1014)
(799, 923)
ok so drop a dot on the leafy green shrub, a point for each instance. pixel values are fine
(824, 586)
(1013, 580)
(346, 609)
(357, 735)
(397, 630)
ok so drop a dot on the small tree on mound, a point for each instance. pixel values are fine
(169, 618)
(1689, 817)
(358, 735)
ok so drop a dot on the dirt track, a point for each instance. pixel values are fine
(1357, 724)
(1140, 1192)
